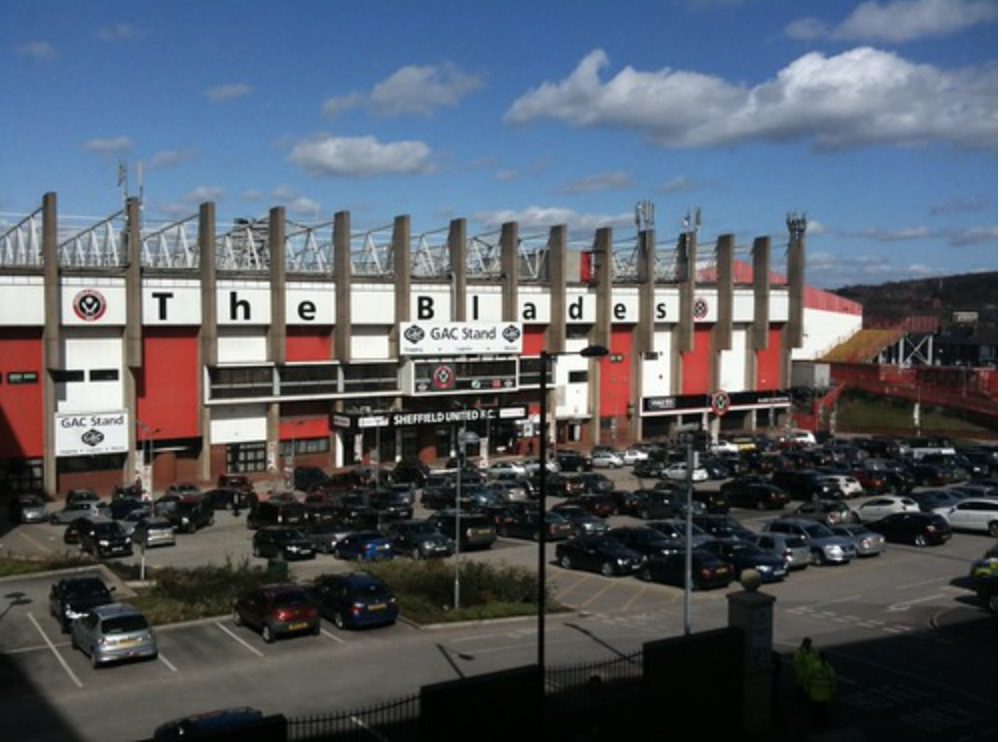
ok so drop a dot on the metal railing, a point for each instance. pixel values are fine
(389, 722)
(101, 245)
(21, 244)
(173, 246)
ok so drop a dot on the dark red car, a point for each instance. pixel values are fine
(276, 610)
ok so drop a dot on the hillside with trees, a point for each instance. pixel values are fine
(971, 292)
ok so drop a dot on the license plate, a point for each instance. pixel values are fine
(298, 626)
(377, 607)
(722, 570)
(128, 643)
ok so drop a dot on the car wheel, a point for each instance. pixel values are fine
(94, 662)
(607, 570)
(645, 574)
(920, 539)
(760, 505)
(73, 642)
(256, 550)
(315, 630)
(237, 620)
(339, 620)
(416, 553)
(854, 518)
(212, 521)
(645, 515)
(267, 634)
(565, 562)
(816, 558)
(993, 528)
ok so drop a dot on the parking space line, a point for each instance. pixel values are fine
(598, 595)
(329, 635)
(559, 596)
(166, 661)
(629, 604)
(37, 544)
(55, 651)
(236, 638)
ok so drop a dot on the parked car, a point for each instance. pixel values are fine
(364, 546)
(282, 513)
(878, 507)
(81, 495)
(633, 454)
(663, 503)
(648, 542)
(602, 504)
(282, 542)
(606, 460)
(829, 512)
(825, 546)
(410, 471)
(29, 509)
(80, 509)
(848, 485)
(722, 526)
(71, 534)
(804, 484)
(190, 513)
(929, 500)
(708, 571)
(582, 521)
(598, 554)
(113, 632)
(524, 523)
(208, 723)
(103, 538)
(122, 507)
(354, 601)
(132, 519)
(183, 489)
(868, 543)
(418, 539)
(679, 472)
(476, 530)
(149, 533)
(792, 548)
(223, 499)
(239, 482)
(714, 501)
(980, 514)
(71, 597)
(742, 555)
(930, 475)
(753, 495)
(514, 468)
(918, 528)
(277, 610)
(648, 468)
(674, 531)
(572, 461)
(592, 482)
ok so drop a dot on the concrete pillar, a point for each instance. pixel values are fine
(723, 330)
(509, 272)
(761, 249)
(556, 269)
(643, 331)
(685, 269)
(795, 266)
(277, 329)
(209, 332)
(752, 613)
(342, 285)
(457, 265)
(601, 333)
(402, 279)
(133, 350)
(51, 339)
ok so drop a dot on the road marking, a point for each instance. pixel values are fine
(44, 548)
(331, 636)
(920, 584)
(636, 596)
(559, 596)
(166, 662)
(906, 604)
(225, 630)
(55, 651)
(598, 595)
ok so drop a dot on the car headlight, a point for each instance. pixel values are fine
(185, 519)
(622, 561)
(833, 549)
(72, 614)
(103, 542)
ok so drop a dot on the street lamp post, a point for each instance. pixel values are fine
(545, 364)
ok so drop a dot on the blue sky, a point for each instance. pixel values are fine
(877, 119)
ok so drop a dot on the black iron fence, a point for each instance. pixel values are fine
(386, 722)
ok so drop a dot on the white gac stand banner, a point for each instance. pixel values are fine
(459, 338)
(92, 433)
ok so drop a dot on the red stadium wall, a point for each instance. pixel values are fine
(617, 375)
(167, 390)
(22, 414)
(769, 361)
(696, 364)
(533, 339)
(307, 344)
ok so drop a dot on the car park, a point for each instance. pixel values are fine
(524, 523)
(793, 549)
(826, 511)
(282, 542)
(825, 546)
(754, 495)
(150, 533)
(648, 542)
(80, 509)
(742, 555)
(868, 543)
(29, 509)
(582, 521)
(103, 538)
(189, 513)
(598, 554)
(918, 528)
(708, 571)
(277, 610)
(354, 601)
(71, 597)
(979, 514)
(476, 530)
(113, 632)
(879, 507)
(418, 539)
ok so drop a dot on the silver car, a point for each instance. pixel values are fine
(30, 509)
(85, 509)
(825, 546)
(793, 549)
(153, 532)
(868, 543)
(113, 632)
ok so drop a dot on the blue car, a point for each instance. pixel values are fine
(364, 546)
(354, 601)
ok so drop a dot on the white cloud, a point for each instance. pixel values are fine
(894, 235)
(678, 184)
(40, 50)
(188, 203)
(304, 206)
(360, 156)
(169, 158)
(506, 175)
(118, 32)
(861, 97)
(973, 236)
(113, 146)
(806, 29)
(221, 93)
(615, 180)
(907, 20)
(414, 90)
(544, 217)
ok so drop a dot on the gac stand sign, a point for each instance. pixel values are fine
(92, 433)
(460, 338)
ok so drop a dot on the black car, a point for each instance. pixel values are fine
(418, 539)
(932, 499)
(715, 467)
(760, 496)
(674, 531)
(805, 484)
(572, 461)
(276, 514)
(648, 542)
(189, 513)
(524, 523)
(81, 495)
(921, 529)
(354, 601)
(71, 597)
(714, 501)
(595, 482)
(223, 498)
(307, 478)
(930, 475)
(411, 471)
(742, 555)
(708, 571)
(648, 468)
(582, 521)
(598, 554)
(723, 526)
(476, 530)
(283, 543)
(663, 503)
(104, 538)
(124, 504)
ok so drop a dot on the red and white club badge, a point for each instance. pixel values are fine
(89, 305)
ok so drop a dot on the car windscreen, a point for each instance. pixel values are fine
(86, 587)
(291, 600)
(818, 531)
(124, 624)
(284, 537)
(31, 502)
(368, 590)
(107, 529)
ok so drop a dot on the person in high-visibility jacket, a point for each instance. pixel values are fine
(820, 683)
(805, 656)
